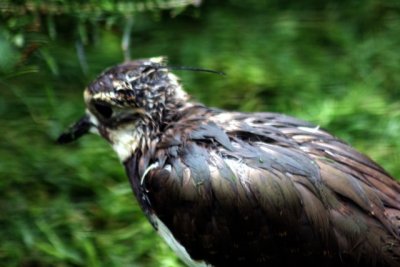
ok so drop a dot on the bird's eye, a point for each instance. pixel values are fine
(104, 110)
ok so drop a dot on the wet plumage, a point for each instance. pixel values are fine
(241, 189)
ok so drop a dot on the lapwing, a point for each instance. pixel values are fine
(230, 188)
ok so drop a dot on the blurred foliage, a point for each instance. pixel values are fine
(334, 63)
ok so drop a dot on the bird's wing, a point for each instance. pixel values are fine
(235, 178)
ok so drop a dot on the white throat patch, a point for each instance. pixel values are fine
(125, 141)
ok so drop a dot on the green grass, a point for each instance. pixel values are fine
(336, 65)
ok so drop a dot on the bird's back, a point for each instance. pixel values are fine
(265, 189)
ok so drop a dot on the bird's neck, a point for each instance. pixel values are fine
(145, 134)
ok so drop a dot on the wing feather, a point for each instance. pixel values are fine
(306, 192)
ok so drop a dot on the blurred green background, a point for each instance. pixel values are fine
(334, 63)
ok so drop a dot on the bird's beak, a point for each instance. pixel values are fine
(77, 130)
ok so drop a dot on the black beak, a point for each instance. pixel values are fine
(80, 128)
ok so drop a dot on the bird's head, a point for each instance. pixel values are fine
(128, 103)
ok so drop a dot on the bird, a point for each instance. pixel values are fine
(227, 188)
